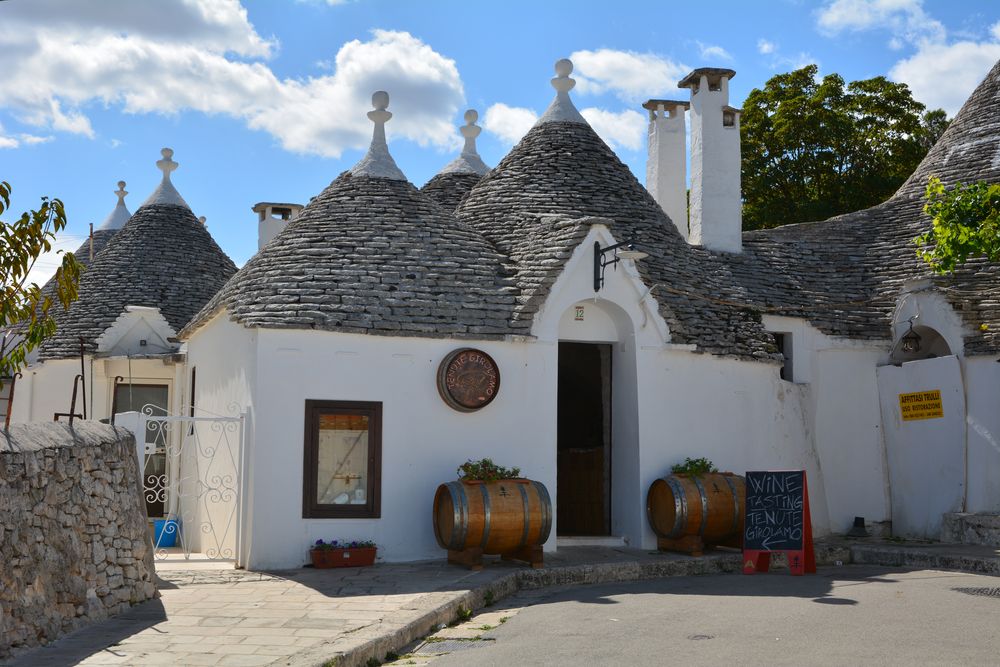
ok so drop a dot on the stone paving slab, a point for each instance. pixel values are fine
(308, 617)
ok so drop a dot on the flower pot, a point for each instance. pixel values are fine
(165, 533)
(346, 557)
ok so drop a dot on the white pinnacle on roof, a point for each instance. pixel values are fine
(166, 193)
(377, 163)
(469, 161)
(562, 108)
(120, 215)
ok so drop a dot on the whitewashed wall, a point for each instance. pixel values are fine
(982, 382)
(843, 420)
(423, 440)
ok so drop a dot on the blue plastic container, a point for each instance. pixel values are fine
(165, 532)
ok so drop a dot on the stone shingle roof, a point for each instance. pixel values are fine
(449, 188)
(373, 255)
(163, 257)
(534, 207)
(845, 274)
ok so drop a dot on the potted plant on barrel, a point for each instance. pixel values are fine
(696, 507)
(491, 509)
(335, 553)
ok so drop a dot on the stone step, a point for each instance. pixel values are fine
(971, 528)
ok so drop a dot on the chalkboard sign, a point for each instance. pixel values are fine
(775, 520)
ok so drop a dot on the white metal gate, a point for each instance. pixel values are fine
(199, 482)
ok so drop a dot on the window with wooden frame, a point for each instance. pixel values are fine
(343, 460)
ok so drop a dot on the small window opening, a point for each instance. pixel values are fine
(784, 343)
(279, 213)
(728, 119)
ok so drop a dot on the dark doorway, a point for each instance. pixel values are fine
(583, 493)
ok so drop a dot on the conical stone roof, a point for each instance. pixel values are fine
(458, 177)
(845, 274)
(536, 207)
(95, 243)
(371, 254)
(163, 257)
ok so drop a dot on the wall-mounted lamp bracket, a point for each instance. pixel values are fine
(623, 250)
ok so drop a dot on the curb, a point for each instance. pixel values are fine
(356, 649)
(872, 554)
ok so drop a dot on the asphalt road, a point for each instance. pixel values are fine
(852, 615)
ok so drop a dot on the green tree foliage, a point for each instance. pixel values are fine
(815, 148)
(966, 223)
(24, 309)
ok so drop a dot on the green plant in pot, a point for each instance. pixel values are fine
(485, 470)
(693, 467)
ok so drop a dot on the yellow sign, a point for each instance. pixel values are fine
(921, 405)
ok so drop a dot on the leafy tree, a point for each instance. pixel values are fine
(815, 148)
(24, 309)
(966, 223)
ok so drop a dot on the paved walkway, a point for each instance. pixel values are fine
(309, 617)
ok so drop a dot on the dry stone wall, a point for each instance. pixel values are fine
(74, 544)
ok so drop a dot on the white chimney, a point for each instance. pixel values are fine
(666, 162)
(272, 218)
(716, 220)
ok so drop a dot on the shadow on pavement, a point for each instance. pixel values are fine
(94, 638)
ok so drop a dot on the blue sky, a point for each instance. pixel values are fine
(265, 100)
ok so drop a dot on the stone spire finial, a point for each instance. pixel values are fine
(120, 215)
(469, 161)
(166, 193)
(562, 83)
(377, 163)
(562, 108)
(167, 164)
(470, 131)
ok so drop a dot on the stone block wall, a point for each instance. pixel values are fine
(74, 542)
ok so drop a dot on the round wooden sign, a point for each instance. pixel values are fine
(468, 379)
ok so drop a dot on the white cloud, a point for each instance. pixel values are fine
(32, 139)
(765, 46)
(205, 56)
(630, 76)
(7, 141)
(509, 123)
(713, 52)
(945, 75)
(424, 86)
(905, 19)
(624, 129)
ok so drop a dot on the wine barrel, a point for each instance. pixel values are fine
(498, 517)
(709, 506)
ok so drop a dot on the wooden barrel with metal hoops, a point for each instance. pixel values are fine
(510, 517)
(689, 512)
